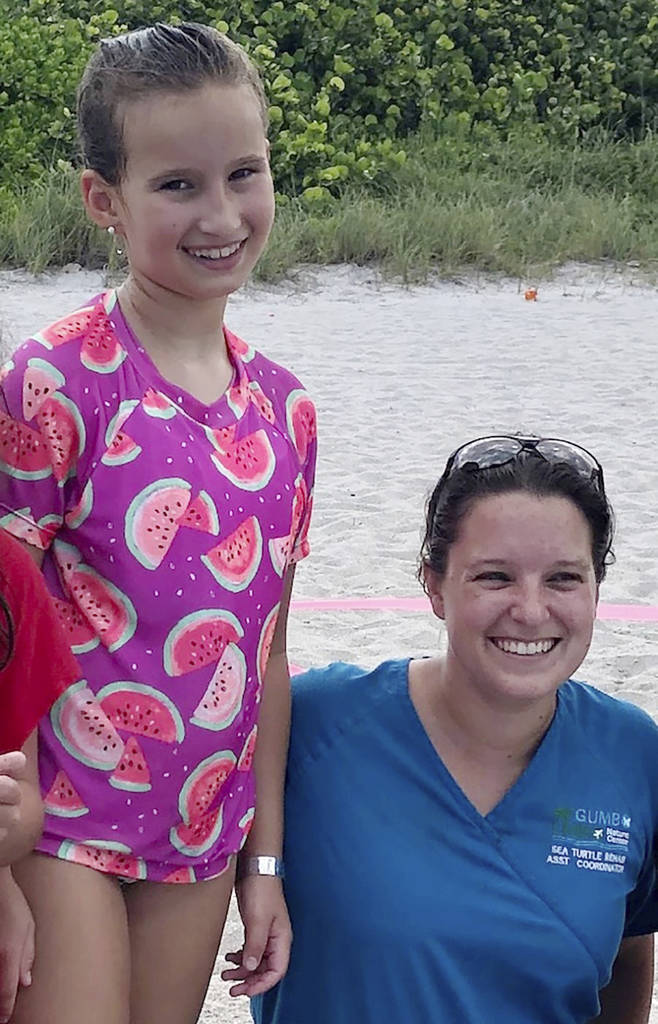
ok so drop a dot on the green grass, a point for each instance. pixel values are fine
(511, 207)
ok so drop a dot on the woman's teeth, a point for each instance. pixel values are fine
(521, 647)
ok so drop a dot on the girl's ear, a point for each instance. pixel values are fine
(100, 199)
(434, 588)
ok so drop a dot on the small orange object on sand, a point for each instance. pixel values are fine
(530, 295)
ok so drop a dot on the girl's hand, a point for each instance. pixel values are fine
(13, 770)
(16, 943)
(263, 960)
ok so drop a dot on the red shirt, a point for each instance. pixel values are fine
(41, 666)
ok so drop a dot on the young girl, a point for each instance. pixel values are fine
(36, 666)
(164, 470)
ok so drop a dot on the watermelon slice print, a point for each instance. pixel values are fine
(66, 329)
(110, 613)
(62, 798)
(104, 855)
(77, 630)
(222, 701)
(204, 784)
(153, 518)
(248, 463)
(234, 561)
(156, 404)
(199, 639)
(23, 453)
(84, 730)
(40, 381)
(6, 369)
(101, 350)
(181, 876)
(261, 401)
(265, 642)
(120, 446)
(279, 549)
(132, 772)
(238, 347)
(76, 516)
(193, 840)
(63, 432)
(202, 514)
(245, 823)
(300, 416)
(238, 399)
(142, 710)
(246, 758)
(21, 525)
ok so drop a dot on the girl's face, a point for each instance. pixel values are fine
(518, 597)
(196, 202)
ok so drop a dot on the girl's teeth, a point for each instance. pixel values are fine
(216, 254)
(520, 647)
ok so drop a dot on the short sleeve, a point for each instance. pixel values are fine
(42, 437)
(642, 903)
(305, 439)
(41, 666)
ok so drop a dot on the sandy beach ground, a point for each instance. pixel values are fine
(401, 377)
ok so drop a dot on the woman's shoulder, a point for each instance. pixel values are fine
(342, 688)
(596, 713)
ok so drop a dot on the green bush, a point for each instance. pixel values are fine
(349, 80)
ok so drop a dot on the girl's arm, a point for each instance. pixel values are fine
(264, 958)
(627, 997)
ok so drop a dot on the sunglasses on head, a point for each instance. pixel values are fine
(494, 451)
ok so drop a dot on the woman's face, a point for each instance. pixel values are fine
(518, 597)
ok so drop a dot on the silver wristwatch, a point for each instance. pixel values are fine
(261, 865)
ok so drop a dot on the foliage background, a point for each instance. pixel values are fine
(350, 81)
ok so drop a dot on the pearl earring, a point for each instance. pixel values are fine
(112, 232)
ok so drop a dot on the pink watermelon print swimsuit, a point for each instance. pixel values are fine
(168, 526)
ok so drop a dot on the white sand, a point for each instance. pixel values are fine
(402, 376)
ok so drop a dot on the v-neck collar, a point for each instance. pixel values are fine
(495, 817)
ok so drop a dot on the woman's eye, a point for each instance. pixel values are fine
(492, 577)
(565, 579)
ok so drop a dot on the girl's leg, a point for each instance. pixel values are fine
(82, 964)
(175, 932)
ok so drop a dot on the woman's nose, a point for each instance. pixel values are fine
(530, 606)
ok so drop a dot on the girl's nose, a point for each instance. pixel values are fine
(221, 215)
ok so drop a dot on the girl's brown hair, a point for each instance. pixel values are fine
(161, 58)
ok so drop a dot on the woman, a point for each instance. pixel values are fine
(469, 836)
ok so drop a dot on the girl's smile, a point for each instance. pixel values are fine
(195, 203)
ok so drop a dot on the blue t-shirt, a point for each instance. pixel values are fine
(408, 905)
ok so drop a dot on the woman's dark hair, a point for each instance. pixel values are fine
(161, 58)
(454, 496)
(6, 633)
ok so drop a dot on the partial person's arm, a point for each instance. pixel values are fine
(264, 958)
(627, 997)
(21, 807)
(21, 819)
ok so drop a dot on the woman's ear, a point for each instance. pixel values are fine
(100, 199)
(434, 589)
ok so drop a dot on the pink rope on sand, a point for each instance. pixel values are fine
(618, 612)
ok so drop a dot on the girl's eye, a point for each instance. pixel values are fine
(242, 173)
(176, 185)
